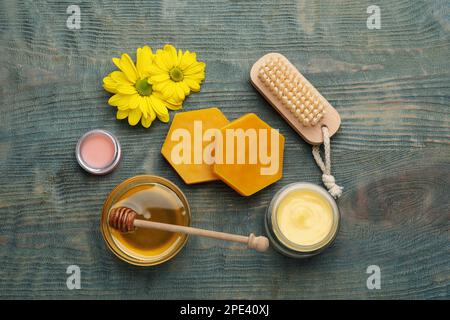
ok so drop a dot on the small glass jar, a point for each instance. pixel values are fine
(280, 241)
(169, 244)
(104, 146)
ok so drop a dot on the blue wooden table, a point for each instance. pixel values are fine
(392, 154)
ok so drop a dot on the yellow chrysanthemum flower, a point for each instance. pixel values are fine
(174, 74)
(134, 95)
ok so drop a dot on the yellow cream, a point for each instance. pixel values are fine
(304, 217)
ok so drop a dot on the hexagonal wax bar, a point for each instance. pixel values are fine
(190, 142)
(252, 155)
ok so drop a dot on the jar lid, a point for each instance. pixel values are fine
(98, 152)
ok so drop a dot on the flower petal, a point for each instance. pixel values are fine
(179, 92)
(199, 77)
(119, 77)
(142, 104)
(109, 81)
(109, 84)
(109, 88)
(160, 109)
(179, 57)
(193, 84)
(172, 55)
(134, 101)
(126, 89)
(134, 116)
(169, 103)
(116, 61)
(173, 106)
(124, 107)
(154, 69)
(119, 100)
(195, 69)
(188, 59)
(167, 88)
(146, 122)
(128, 67)
(122, 114)
(160, 77)
(161, 63)
(144, 59)
(151, 111)
(184, 87)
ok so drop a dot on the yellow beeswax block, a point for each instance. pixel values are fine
(251, 156)
(189, 145)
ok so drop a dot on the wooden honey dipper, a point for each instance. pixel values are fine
(124, 220)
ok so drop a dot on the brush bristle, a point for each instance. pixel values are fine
(296, 95)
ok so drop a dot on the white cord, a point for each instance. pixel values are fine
(327, 178)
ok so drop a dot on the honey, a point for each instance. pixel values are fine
(154, 199)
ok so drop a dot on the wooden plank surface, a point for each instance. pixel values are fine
(391, 87)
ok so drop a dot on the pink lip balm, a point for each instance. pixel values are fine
(98, 152)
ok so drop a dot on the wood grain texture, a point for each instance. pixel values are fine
(392, 152)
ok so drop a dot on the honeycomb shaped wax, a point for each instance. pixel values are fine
(262, 164)
(184, 146)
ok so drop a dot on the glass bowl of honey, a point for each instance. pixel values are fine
(155, 199)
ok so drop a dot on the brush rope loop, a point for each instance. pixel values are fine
(325, 165)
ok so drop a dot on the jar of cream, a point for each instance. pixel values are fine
(155, 199)
(302, 220)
